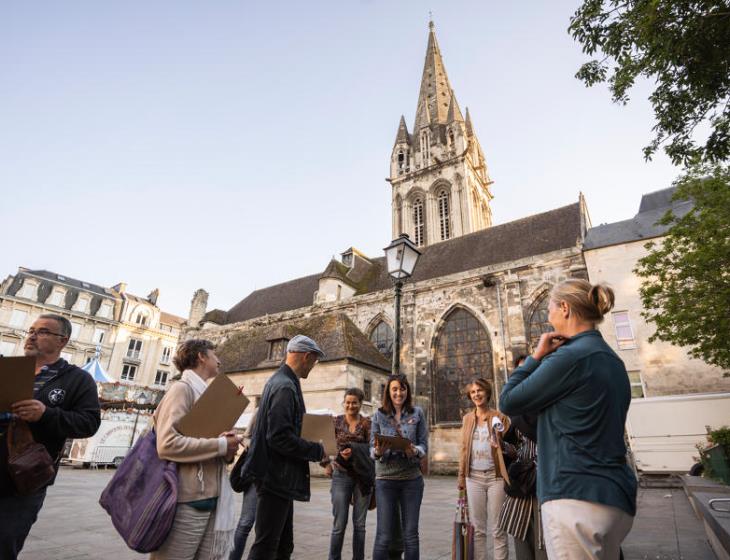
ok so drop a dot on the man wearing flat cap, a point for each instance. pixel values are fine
(278, 457)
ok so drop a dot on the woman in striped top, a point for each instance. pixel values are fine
(520, 514)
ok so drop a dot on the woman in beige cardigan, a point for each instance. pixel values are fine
(481, 468)
(205, 518)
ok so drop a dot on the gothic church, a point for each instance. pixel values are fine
(477, 299)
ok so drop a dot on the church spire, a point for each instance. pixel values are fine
(402, 137)
(435, 92)
(454, 113)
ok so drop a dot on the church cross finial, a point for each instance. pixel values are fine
(430, 20)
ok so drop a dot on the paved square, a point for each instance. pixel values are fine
(72, 525)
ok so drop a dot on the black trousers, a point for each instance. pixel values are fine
(274, 528)
(17, 515)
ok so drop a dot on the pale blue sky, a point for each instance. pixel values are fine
(231, 145)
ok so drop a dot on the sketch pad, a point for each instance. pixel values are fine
(216, 411)
(16, 380)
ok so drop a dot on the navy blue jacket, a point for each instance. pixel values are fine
(278, 457)
(582, 394)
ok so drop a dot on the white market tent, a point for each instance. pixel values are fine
(96, 371)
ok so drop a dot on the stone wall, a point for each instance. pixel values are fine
(664, 369)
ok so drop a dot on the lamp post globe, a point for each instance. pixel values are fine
(401, 258)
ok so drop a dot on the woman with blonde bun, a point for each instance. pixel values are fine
(581, 391)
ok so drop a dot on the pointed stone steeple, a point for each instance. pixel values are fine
(439, 177)
(435, 93)
(403, 137)
(454, 113)
(469, 127)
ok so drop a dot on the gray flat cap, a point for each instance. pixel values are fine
(301, 343)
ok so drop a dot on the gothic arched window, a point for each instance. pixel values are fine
(401, 160)
(444, 215)
(451, 138)
(538, 321)
(419, 224)
(463, 352)
(425, 147)
(382, 337)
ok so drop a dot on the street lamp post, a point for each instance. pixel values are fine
(401, 257)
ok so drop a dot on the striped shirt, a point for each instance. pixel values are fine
(516, 513)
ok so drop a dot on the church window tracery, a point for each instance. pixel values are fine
(444, 214)
(382, 338)
(425, 146)
(463, 352)
(538, 321)
(419, 226)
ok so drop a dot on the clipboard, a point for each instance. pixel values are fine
(320, 427)
(16, 380)
(395, 443)
(216, 411)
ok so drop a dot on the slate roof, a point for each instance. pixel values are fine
(170, 319)
(79, 284)
(642, 226)
(275, 299)
(534, 235)
(335, 333)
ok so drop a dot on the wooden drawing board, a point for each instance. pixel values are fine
(216, 411)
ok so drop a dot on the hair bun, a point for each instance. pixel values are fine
(602, 297)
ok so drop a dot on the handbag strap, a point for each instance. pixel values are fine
(19, 436)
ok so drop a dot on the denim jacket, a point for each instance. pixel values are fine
(412, 426)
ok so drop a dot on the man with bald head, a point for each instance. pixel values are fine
(64, 405)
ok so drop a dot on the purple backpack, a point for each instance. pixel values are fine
(141, 497)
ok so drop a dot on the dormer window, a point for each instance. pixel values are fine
(141, 318)
(28, 291)
(277, 349)
(56, 298)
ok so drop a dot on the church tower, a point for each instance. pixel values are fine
(438, 172)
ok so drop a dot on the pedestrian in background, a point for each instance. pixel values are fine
(352, 475)
(480, 469)
(398, 478)
(581, 390)
(248, 506)
(205, 518)
(64, 405)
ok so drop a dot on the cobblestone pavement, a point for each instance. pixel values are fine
(72, 525)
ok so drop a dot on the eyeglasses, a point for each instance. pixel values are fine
(43, 332)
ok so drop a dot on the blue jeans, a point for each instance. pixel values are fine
(17, 515)
(245, 523)
(344, 488)
(389, 494)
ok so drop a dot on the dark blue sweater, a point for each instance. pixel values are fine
(582, 394)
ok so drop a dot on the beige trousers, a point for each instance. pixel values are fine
(191, 536)
(485, 495)
(580, 530)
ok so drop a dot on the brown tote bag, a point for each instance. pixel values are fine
(29, 463)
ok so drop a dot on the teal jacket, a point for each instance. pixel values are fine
(582, 394)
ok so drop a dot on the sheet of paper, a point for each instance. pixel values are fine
(395, 443)
(216, 411)
(320, 427)
(16, 380)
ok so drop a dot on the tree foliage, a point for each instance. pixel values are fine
(685, 289)
(683, 46)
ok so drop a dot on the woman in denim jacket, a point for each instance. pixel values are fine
(398, 479)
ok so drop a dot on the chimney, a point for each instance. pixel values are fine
(153, 295)
(198, 306)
